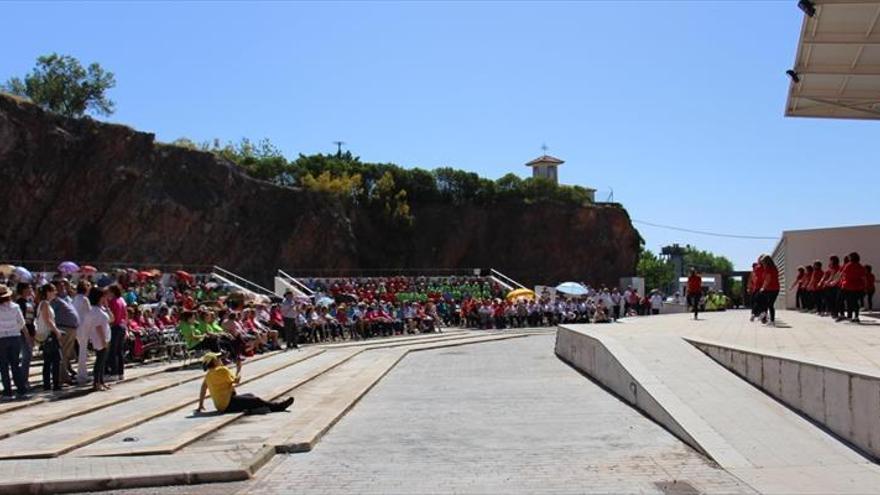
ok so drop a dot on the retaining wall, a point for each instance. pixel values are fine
(844, 401)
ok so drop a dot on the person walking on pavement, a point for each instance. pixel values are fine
(694, 291)
(288, 313)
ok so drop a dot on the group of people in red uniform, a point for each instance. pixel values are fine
(838, 290)
(763, 286)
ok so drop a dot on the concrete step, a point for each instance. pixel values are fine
(64, 436)
(75, 474)
(39, 396)
(403, 338)
(322, 403)
(319, 404)
(170, 432)
(49, 412)
(231, 453)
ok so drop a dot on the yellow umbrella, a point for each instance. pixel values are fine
(517, 293)
(6, 270)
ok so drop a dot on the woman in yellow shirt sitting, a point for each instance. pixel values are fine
(221, 382)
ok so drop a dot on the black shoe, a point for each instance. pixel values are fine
(283, 405)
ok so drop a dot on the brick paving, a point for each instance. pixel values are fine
(505, 417)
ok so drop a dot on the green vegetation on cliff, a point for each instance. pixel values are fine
(347, 177)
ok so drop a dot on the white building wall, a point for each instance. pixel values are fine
(800, 247)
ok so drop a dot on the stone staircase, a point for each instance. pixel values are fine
(144, 432)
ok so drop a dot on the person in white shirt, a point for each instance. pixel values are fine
(656, 302)
(97, 328)
(82, 307)
(12, 327)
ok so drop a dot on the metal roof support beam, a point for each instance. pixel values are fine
(841, 2)
(841, 39)
(843, 70)
(852, 95)
(845, 105)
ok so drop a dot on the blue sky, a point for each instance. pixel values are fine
(677, 106)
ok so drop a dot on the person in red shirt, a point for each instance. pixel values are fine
(756, 281)
(694, 291)
(816, 289)
(805, 288)
(831, 282)
(870, 287)
(797, 286)
(853, 283)
(769, 289)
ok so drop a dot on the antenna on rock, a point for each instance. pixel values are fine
(610, 196)
(338, 147)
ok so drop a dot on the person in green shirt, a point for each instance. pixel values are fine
(208, 323)
(190, 331)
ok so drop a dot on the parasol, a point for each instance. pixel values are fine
(517, 293)
(572, 289)
(68, 267)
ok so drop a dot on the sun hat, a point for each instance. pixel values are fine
(210, 356)
(5, 291)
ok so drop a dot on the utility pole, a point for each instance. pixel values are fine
(338, 148)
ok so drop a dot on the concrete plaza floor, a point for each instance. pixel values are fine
(501, 417)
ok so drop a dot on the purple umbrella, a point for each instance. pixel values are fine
(68, 267)
(22, 274)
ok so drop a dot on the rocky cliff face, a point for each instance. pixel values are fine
(89, 191)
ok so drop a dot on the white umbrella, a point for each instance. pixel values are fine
(572, 289)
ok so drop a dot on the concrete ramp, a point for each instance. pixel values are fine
(762, 442)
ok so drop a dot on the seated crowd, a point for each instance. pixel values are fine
(131, 316)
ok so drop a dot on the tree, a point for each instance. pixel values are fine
(705, 261)
(658, 274)
(60, 84)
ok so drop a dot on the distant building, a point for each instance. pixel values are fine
(802, 247)
(545, 166)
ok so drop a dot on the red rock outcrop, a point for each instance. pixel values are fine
(95, 192)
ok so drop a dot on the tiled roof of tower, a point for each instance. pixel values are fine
(838, 62)
(545, 159)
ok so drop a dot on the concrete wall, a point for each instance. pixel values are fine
(801, 247)
(845, 402)
(601, 361)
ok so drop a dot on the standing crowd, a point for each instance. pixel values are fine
(839, 290)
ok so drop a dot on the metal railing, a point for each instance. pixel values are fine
(505, 281)
(296, 284)
(240, 282)
(381, 272)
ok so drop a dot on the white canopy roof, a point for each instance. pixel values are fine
(838, 62)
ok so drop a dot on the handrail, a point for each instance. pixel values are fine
(241, 281)
(302, 287)
(506, 279)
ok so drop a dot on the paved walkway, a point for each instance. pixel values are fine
(503, 417)
(797, 334)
